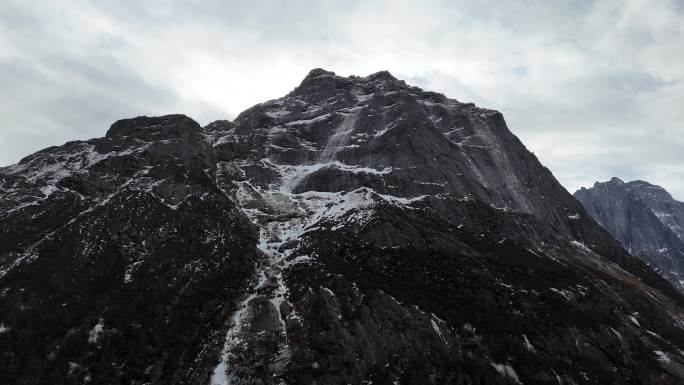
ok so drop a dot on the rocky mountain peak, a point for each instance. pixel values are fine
(431, 143)
(317, 72)
(383, 76)
(356, 230)
(320, 84)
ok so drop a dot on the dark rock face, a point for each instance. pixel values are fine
(118, 256)
(356, 230)
(644, 218)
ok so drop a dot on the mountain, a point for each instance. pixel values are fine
(644, 218)
(357, 230)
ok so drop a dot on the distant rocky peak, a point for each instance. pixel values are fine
(644, 218)
(612, 183)
(637, 188)
(648, 190)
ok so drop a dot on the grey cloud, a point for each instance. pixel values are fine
(593, 88)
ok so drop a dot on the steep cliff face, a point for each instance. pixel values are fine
(644, 218)
(356, 230)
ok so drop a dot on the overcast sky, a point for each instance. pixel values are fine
(594, 89)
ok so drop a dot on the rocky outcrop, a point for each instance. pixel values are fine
(644, 218)
(356, 230)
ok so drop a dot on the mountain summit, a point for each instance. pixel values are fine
(644, 218)
(357, 230)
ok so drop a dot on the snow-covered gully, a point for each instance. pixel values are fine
(281, 220)
(283, 217)
(271, 287)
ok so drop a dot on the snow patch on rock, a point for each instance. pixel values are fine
(96, 332)
(506, 371)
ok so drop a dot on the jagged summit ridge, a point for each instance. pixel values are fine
(316, 72)
(381, 75)
(355, 230)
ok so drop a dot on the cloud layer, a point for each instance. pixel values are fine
(595, 89)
